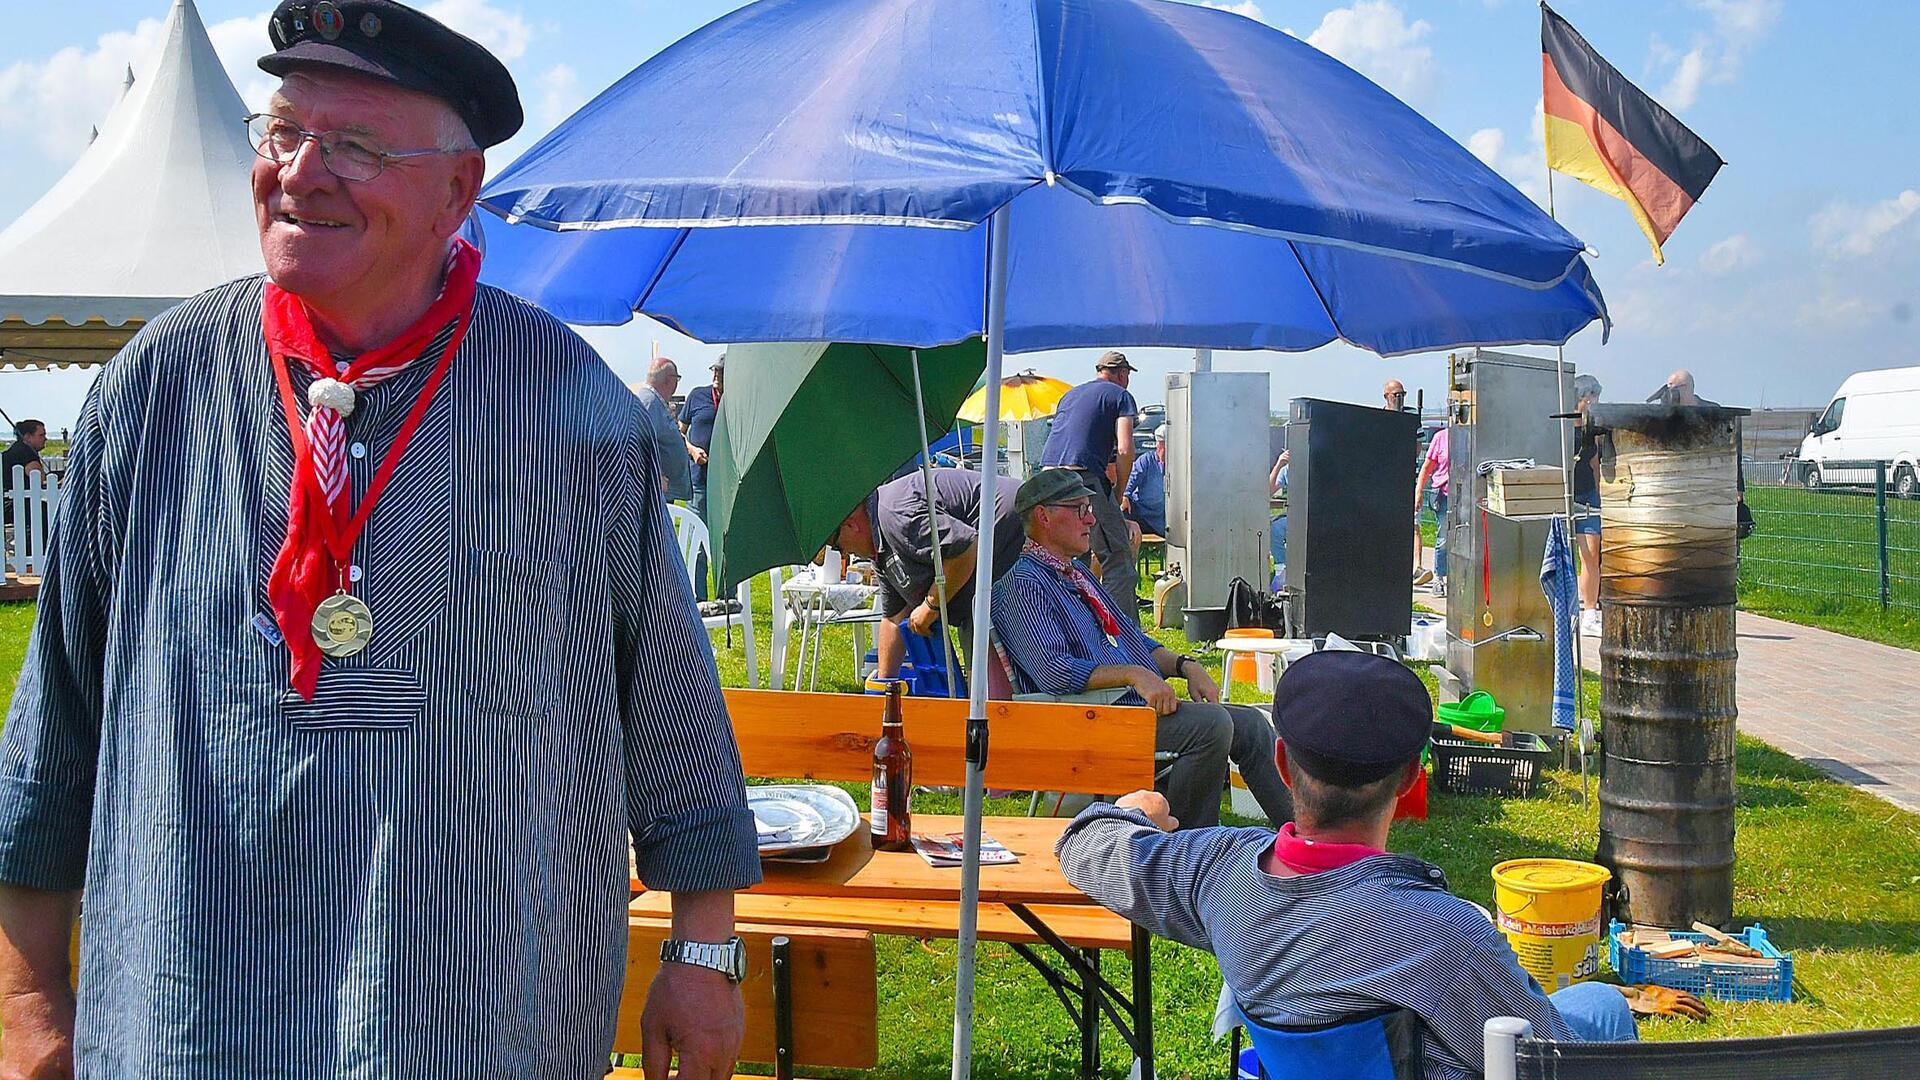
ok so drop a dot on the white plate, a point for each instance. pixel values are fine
(795, 816)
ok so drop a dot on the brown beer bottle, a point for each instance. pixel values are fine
(892, 816)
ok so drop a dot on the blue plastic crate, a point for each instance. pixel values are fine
(1707, 978)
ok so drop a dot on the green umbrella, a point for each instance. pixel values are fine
(808, 429)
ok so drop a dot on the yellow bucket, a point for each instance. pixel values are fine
(1550, 912)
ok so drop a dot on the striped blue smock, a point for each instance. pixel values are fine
(1052, 637)
(424, 870)
(1319, 948)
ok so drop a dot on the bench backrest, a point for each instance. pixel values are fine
(1041, 746)
(831, 987)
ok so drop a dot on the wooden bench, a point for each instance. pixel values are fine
(1042, 746)
(1033, 745)
(810, 995)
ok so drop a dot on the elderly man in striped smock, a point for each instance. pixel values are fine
(349, 723)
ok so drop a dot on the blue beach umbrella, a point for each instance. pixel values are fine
(1040, 173)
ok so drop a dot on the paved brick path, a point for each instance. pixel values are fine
(1849, 707)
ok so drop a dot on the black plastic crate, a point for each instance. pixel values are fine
(1463, 767)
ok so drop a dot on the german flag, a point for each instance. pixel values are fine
(1605, 131)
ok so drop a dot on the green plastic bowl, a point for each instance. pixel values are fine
(1477, 711)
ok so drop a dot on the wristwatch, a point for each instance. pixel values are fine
(1180, 665)
(728, 958)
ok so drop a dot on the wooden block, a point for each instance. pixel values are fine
(1081, 925)
(1041, 746)
(1726, 942)
(1672, 950)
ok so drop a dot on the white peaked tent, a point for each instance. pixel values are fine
(157, 209)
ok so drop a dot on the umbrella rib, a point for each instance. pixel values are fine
(660, 269)
(1294, 250)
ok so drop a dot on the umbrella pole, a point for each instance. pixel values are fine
(982, 623)
(933, 521)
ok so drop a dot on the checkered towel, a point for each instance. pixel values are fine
(1558, 582)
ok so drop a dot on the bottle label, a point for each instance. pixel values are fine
(878, 816)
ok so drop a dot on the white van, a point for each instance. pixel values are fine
(1875, 416)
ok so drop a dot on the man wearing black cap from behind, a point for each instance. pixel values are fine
(1062, 633)
(1092, 428)
(349, 726)
(1318, 924)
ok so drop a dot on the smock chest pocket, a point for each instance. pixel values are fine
(510, 608)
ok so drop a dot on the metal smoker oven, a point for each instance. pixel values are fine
(1217, 469)
(1500, 407)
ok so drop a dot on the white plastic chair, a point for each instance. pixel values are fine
(691, 533)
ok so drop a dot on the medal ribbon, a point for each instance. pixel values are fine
(1082, 585)
(321, 532)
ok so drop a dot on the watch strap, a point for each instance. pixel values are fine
(729, 957)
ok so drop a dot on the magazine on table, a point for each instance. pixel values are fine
(944, 849)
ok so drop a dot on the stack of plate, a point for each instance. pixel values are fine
(801, 822)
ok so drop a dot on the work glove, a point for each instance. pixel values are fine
(1664, 1001)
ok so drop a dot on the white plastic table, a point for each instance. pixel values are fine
(817, 605)
(1275, 647)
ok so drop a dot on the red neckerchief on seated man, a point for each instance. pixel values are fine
(321, 527)
(1304, 856)
(1083, 585)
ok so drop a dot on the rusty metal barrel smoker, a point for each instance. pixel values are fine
(1669, 569)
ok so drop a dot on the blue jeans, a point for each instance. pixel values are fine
(698, 504)
(1438, 501)
(1596, 1012)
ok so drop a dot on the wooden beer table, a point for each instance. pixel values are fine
(857, 872)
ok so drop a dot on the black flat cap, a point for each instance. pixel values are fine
(384, 40)
(1351, 717)
(1049, 486)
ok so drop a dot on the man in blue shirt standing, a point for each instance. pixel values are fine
(697, 416)
(1092, 427)
(1146, 492)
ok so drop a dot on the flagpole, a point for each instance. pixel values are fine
(1566, 492)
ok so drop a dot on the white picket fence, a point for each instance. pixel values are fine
(32, 505)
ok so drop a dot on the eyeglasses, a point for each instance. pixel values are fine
(1083, 508)
(346, 156)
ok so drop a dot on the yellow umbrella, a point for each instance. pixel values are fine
(1026, 396)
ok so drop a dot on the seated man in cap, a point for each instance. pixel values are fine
(1319, 924)
(893, 528)
(1063, 634)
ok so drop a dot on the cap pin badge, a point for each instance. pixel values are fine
(328, 20)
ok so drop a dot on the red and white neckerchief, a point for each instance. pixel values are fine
(321, 526)
(1083, 585)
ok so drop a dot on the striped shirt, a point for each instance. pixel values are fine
(426, 865)
(1052, 637)
(1319, 948)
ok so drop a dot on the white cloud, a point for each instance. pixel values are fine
(1847, 228)
(1374, 38)
(1245, 7)
(1683, 88)
(1716, 56)
(504, 33)
(558, 97)
(1733, 253)
(1486, 145)
(55, 103)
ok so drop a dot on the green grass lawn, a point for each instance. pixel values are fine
(1814, 559)
(1832, 872)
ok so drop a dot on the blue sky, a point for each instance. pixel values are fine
(1797, 267)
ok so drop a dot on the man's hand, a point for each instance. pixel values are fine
(922, 618)
(697, 1014)
(699, 456)
(1652, 1000)
(1159, 695)
(1154, 805)
(1200, 684)
(38, 1044)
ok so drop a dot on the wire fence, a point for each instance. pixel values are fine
(1847, 530)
